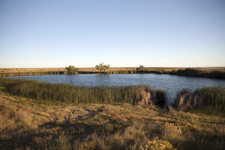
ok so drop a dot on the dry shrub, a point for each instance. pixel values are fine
(172, 133)
(157, 145)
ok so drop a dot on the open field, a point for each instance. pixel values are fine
(27, 122)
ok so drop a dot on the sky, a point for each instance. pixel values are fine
(122, 33)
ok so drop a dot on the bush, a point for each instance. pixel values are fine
(102, 67)
(71, 70)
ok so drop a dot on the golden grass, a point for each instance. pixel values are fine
(31, 124)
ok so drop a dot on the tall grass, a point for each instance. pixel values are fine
(209, 100)
(213, 99)
(75, 94)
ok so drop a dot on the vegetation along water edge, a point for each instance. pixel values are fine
(210, 72)
(38, 115)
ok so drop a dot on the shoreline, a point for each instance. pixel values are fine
(45, 124)
(207, 72)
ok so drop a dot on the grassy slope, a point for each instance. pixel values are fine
(36, 124)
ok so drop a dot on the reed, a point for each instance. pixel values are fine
(78, 94)
(208, 100)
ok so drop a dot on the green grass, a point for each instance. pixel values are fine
(78, 94)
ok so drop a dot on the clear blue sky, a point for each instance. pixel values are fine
(58, 33)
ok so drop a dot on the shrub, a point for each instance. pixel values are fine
(158, 145)
(102, 67)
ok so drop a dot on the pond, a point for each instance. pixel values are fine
(171, 83)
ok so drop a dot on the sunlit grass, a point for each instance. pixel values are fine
(103, 126)
(31, 123)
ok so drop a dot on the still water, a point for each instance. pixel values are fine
(171, 83)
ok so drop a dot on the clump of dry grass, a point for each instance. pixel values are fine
(158, 145)
(186, 101)
(172, 132)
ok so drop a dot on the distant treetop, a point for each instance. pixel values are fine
(102, 67)
(71, 70)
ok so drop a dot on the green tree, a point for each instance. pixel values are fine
(71, 70)
(102, 67)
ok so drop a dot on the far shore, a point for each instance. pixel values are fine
(206, 72)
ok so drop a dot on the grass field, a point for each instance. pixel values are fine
(31, 123)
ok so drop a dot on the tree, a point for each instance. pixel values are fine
(102, 67)
(140, 68)
(71, 70)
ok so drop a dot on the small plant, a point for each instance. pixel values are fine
(158, 145)
(71, 70)
(88, 146)
(102, 67)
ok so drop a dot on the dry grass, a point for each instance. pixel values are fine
(31, 124)
(213, 72)
(23, 70)
(92, 69)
